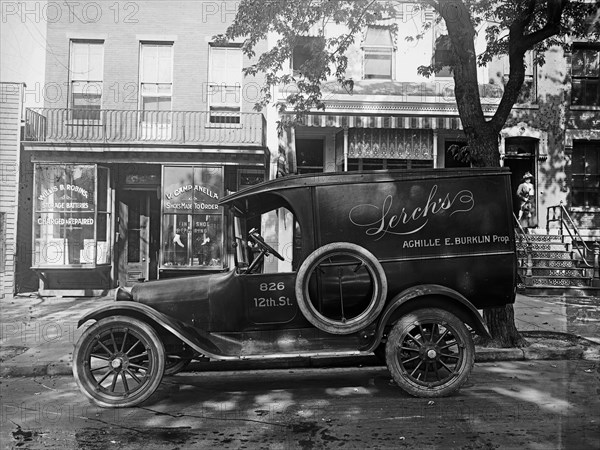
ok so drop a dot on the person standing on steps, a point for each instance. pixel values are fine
(525, 192)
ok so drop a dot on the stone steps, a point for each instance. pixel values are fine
(556, 269)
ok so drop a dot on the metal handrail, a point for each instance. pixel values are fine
(528, 262)
(521, 228)
(575, 239)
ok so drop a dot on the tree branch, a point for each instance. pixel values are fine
(354, 29)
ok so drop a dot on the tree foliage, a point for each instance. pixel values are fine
(511, 28)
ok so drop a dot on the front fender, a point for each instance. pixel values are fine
(197, 339)
(430, 295)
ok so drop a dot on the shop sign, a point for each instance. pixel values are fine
(62, 197)
(207, 199)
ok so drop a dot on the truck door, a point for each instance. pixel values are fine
(270, 298)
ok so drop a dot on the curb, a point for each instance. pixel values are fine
(482, 355)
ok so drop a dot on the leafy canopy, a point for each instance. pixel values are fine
(510, 27)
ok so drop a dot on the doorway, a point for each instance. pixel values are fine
(520, 158)
(138, 236)
(310, 155)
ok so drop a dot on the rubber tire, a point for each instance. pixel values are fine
(86, 343)
(356, 323)
(460, 332)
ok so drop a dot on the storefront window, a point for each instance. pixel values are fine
(192, 221)
(71, 210)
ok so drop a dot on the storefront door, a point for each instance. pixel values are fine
(138, 235)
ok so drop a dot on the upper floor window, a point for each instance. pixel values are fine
(442, 55)
(378, 47)
(86, 73)
(585, 188)
(304, 50)
(309, 155)
(585, 73)
(156, 81)
(442, 49)
(528, 93)
(225, 84)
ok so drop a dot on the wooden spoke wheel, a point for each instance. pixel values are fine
(119, 362)
(430, 353)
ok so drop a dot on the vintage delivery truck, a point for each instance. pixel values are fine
(392, 262)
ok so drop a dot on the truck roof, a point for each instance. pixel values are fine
(375, 176)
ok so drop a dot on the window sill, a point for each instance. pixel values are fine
(82, 123)
(71, 267)
(584, 107)
(526, 106)
(224, 125)
(584, 209)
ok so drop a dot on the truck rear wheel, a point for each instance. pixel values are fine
(341, 288)
(118, 362)
(430, 353)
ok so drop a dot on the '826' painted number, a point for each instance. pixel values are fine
(273, 286)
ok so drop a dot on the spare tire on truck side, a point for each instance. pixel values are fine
(341, 288)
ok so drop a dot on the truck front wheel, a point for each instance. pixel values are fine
(430, 353)
(119, 362)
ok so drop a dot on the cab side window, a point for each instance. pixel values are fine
(278, 230)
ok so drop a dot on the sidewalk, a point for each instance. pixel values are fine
(37, 335)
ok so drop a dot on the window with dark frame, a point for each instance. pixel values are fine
(585, 168)
(528, 93)
(225, 84)
(378, 48)
(585, 75)
(304, 50)
(86, 75)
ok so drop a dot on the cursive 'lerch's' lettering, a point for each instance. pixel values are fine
(408, 221)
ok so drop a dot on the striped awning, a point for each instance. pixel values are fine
(397, 122)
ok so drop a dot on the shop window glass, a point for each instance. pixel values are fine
(69, 228)
(361, 164)
(192, 223)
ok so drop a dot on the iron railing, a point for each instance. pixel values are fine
(527, 262)
(558, 213)
(130, 126)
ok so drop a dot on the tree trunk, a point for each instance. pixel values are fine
(501, 325)
(482, 135)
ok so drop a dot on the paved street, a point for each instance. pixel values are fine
(528, 404)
